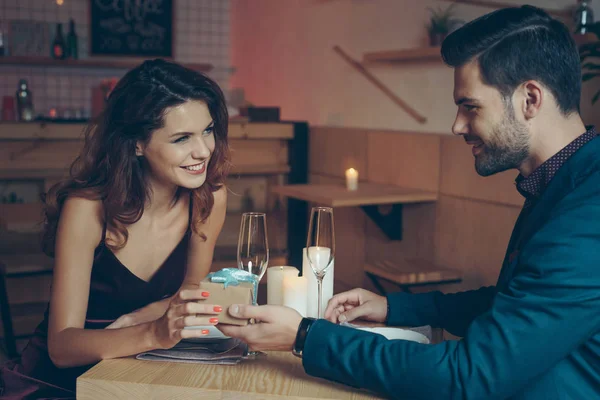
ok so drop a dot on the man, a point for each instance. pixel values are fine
(536, 334)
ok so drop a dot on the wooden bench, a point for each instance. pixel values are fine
(409, 273)
(25, 281)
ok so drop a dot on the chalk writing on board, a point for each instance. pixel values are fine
(132, 27)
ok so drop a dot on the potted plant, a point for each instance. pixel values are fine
(441, 23)
(591, 50)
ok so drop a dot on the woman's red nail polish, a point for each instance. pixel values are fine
(218, 308)
(205, 331)
(205, 294)
(213, 320)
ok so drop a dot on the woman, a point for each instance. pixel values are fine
(132, 230)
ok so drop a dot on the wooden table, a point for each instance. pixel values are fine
(278, 375)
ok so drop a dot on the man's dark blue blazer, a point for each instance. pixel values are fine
(535, 335)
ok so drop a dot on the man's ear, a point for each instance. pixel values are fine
(533, 98)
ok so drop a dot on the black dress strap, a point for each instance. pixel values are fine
(104, 226)
(191, 210)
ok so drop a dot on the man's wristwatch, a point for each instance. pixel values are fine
(303, 329)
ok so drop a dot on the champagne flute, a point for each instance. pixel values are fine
(253, 249)
(253, 244)
(320, 246)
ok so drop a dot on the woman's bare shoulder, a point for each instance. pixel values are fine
(82, 214)
(220, 196)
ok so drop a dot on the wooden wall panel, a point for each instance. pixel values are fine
(408, 160)
(12, 130)
(259, 130)
(21, 217)
(258, 152)
(458, 176)
(29, 289)
(334, 150)
(43, 154)
(418, 236)
(349, 240)
(472, 236)
(467, 229)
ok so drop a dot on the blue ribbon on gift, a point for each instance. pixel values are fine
(233, 277)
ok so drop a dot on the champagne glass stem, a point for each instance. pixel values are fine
(320, 297)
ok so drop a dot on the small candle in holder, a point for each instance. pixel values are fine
(294, 293)
(351, 179)
(275, 276)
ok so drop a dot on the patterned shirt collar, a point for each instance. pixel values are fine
(534, 185)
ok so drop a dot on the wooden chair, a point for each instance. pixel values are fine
(30, 306)
(407, 274)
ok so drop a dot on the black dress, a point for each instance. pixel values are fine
(114, 291)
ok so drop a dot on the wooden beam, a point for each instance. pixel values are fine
(401, 103)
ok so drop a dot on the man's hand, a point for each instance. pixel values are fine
(275, 329)
(356, 304)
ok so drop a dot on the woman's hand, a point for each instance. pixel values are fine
(149, 313)
(185, 309)
(356, 304)
(124, 321)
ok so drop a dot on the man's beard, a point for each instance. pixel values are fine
(506, 148)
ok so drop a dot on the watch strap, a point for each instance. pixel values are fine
(303, 330)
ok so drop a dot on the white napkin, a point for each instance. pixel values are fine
(424, 330)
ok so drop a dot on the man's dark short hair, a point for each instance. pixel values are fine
(517, 44)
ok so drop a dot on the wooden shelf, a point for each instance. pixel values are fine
(58, 173)
(70, 131)
(420, 54)
(87, 63)
(260, 169)
(367, 194)
(23, 264)
(432, 54)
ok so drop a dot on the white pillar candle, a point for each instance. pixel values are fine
(351, 179)
(294, 293)
(275, 277)
(312, 291)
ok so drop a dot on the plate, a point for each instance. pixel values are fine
(398, 334)
(213, 334)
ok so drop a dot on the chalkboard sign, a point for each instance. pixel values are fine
(132, 27)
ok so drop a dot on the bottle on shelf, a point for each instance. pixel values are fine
(584, 17)
(2, 45)
(72, 49)
(58, 46)
(24, 102)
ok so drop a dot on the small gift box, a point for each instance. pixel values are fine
(230, 286)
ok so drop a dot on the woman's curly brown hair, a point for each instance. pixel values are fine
(109, 170)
